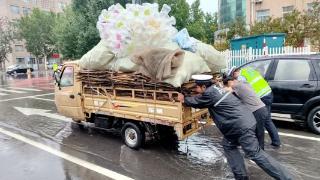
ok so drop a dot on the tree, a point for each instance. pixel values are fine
(76, 31)
(7, 34)
(313, 21)
(210, 26)
(65, 33)
(268, 26)
(237, 29)
(37, 30)
(196, 24)
(294, 26)
(179, 9)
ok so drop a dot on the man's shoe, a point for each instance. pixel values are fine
(274, 146)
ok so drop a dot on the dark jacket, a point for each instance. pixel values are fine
(230, 115)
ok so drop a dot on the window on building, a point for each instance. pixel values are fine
(262, 15)
(32, 61)
(300, 67)
(18, 48)
(45, 4)
(287, 10)
(15, 9)
(26, 11)
(20, 60)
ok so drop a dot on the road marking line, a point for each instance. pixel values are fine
(293, 135)
(25, 89)
(93, 167)
(42, 99)
(13, 91)
(299, 136)
(3, 94)
(18, 98)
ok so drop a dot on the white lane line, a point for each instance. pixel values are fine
(93, 167)
(18, 98)
(293, 135)
(44, 99)
(25, 89)
(3, 94)
(300, 136)
(12, 91)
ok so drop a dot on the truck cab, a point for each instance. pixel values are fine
(68, 97)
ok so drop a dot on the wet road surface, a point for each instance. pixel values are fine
(200, 157)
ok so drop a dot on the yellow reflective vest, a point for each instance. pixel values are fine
(258, 83)
(55, 67)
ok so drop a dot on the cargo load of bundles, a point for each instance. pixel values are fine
(141, 48)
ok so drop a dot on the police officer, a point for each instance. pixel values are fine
(55, 67)
(237, 124)
(247, 95)
(263, 90)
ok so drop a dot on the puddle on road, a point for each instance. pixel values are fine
(201, 149)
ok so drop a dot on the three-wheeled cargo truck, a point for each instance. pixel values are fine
(133, 115)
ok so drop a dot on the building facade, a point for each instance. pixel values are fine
(263, 9)
(258, 10)
(14, 9)
(229, 10)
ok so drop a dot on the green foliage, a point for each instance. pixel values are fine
(293, 26)
(210, 26)
(66, 35)
(297, 26)
(201, 26)
(313, 20)
(237, 29)
(37, 30)
(7, 34)
(179, 9)
(269, 25)
(76, 31)
(196, 22)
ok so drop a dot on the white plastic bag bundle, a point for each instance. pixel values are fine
(191, 64)
(135, 27)
(214, 59)
(123, 65)
(184, 41)
(97, 58)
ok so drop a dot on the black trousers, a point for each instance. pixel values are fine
(269, 125)
(249, 143)
(261, 116)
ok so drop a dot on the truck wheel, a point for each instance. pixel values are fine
(132, 135)
(314, 120)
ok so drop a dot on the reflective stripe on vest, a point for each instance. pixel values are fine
(258, 83)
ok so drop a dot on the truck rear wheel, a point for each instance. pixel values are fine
(133, 135)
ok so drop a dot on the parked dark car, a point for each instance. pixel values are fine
(295, 82)
(18, 68)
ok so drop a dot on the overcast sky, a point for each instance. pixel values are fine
(210, 6)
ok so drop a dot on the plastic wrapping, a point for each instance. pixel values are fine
(191, 64)
(184, 41)
(135, 27)
(97, 58)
